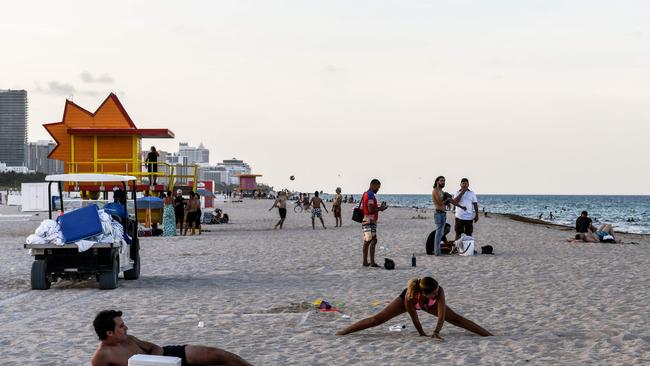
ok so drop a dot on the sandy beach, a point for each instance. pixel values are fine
(547, 301)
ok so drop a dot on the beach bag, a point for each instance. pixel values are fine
(465, 246)
(357, 212)
(487, 249)
(389, 264)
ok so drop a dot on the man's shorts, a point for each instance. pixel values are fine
(190, 219)
(316, 212)
(176, 351)
(283, 212)
(463, 226)
(369, 231)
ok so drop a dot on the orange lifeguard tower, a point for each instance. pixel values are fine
(106, 141)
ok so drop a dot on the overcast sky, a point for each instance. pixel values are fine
(518, 96)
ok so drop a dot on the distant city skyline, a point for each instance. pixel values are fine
(520, 97)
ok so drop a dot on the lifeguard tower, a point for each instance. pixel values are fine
(107, 141)
(247, 183)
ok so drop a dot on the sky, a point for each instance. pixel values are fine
(521, 97)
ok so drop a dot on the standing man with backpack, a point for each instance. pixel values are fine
(369, 224)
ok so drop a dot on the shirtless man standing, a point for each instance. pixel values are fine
(117, 347)
(281, 204)
(440, 217)
(336, 207)
(315, 203)
(190, 220)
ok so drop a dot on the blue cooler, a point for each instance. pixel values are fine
(80, 224)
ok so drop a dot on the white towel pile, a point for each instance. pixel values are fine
(49, 232)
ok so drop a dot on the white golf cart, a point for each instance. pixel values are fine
(104, 261)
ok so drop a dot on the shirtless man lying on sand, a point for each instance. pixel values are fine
(117, 347)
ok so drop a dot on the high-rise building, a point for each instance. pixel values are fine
(13, 124)
(235, 166)
(36, 157)
(198, 155)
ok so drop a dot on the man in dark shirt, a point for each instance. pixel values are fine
(584, 223)
(152, 165)
(179, 210)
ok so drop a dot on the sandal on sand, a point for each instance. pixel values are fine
(366, 265)
(374, 265)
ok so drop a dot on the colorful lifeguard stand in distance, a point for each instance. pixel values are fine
(248, 183)
(108, 141)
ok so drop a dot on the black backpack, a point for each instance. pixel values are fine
(389, 263)
(487, 249)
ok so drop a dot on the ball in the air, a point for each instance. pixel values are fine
(292, 177)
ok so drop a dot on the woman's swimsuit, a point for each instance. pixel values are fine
(427, 306)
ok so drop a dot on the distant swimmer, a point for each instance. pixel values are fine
(420, 294)
(117, 347)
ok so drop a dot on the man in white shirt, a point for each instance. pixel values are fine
(465, 219)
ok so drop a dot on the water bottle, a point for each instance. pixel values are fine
(413, 260)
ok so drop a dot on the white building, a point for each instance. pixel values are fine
(199, 155)
(225, 172)
(17, 169)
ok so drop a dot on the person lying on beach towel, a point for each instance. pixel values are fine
(420, 294)
(604, 234)
(117, 347)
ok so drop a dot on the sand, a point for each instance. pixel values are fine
(546, 301)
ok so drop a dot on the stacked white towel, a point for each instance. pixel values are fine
(49, 232)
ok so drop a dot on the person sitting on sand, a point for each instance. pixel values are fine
(117, 347)
(445, 245)
(584, 223)
(420, 294)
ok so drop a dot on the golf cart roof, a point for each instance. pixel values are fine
(88, 177)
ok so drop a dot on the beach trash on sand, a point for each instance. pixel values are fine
(397, 327)
(201, 324)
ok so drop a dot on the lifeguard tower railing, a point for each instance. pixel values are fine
(168, 175)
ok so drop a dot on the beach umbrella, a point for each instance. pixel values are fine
(204, 193)
(149, 202)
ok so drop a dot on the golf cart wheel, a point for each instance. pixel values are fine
(39, 275)
(108, 279)
(133, 273)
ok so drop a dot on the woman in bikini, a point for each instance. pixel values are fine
(421, 294)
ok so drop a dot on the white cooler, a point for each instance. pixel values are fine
(150, 360)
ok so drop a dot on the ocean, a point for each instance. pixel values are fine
(626, 213)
